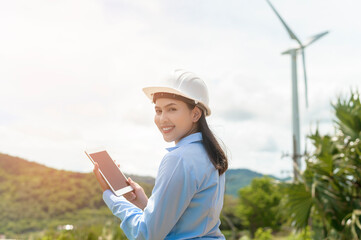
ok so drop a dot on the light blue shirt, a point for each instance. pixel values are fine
(186, 200)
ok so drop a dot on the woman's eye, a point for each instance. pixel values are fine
(158, 111)
(172, 109)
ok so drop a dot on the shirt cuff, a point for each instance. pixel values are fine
(110, 198)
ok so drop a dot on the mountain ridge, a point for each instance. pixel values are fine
(242, 177)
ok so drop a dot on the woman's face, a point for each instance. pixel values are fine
(174, 119)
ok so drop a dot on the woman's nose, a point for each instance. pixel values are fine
(163, 117)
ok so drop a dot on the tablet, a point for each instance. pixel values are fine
(110, 171)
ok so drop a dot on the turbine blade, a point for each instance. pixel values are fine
(314, 38)
(290, 33)
(304, 74)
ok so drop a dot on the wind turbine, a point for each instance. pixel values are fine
(296, 156)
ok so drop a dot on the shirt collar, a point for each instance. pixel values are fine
(195, 137)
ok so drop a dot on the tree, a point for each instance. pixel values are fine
(330, 187)
(258, 204)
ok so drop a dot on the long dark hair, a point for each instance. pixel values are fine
(215, 152)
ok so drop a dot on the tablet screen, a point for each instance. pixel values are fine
(110, 170)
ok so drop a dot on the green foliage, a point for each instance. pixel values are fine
(86, 232)
(227, 234)
(228, 215)
(330, 187)
(229, 219)
(299, 203)
(348, 113)
(258, 204)
(305, 234)
(262, 234)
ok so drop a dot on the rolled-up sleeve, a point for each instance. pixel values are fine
(174, 188)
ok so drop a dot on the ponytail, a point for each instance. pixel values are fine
(214, 150)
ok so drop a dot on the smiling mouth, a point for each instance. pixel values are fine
(167, 129)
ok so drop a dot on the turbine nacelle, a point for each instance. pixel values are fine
(309, 41)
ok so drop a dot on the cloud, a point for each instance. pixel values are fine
(236, 115)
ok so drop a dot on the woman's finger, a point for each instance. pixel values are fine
(130, 196)
(100, 178)
(133, 196)
(132, 182)
(97, 173)
(96, 168)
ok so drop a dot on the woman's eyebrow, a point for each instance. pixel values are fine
(170, 104)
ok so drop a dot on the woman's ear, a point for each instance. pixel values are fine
(196, 114)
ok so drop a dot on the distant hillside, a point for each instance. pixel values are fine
(34, 197)
(239, 178)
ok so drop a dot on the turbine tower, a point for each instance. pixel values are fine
(293, 52)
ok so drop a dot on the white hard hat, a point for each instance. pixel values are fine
(185, 84)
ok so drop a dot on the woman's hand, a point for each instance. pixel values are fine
(137, 196)
(101, 181)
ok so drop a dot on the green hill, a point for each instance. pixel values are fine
(239, 178)
(34, 197)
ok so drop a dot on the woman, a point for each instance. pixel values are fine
(187, 197)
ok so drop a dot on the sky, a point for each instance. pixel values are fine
(72, 73)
